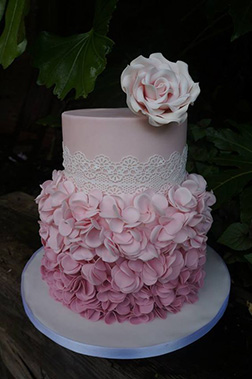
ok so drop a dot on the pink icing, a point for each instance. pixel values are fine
(127, 257)
(117, 133)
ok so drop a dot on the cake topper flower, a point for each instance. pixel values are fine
(160, 89)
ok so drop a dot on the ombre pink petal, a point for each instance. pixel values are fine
(68, 186)
(69, 265)
(107, 306)
(130, 215)
(159, 202)
(57, 216)
(110, 206)
(191, 185)
(91, 314)
(94, 238)
(116, 225)
(136, 266)
(139, 320)
(85, 291)
(191, 298)
(77, 306)
(123, 308)
(124, 279)
(181, 236)
(183, 196)
(110, 318)
(146, 308)
(55, 240)
(82, 253)
(57, 199)
(184, 276)
(191, 259)
(78, 199)
(142, 202)
(66, 227)
(106, 254)
(95, 197)
(67, 297)
(200, 182)
(116, 297)
(152, 270)
(95, 273)
(148, 253)
(161, 313)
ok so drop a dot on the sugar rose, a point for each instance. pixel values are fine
(160, 89)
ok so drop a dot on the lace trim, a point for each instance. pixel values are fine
(127, 176)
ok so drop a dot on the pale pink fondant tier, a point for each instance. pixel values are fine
(117, 133)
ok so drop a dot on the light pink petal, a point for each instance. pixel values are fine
(130, 215)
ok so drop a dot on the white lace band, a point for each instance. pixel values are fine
(127, 176)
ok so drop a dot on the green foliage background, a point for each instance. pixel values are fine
(69, 46)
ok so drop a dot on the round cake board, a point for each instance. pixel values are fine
(125, 341)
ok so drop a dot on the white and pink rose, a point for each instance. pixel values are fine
(159, 89)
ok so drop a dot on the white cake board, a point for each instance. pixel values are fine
(125, 341)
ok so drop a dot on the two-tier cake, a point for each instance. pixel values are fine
(124, 225)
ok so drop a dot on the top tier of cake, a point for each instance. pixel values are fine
(118, 152)
(117, 133)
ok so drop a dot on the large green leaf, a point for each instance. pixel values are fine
(75, 62)
(236, 236)
(71, 62)
(103, 14)
(235, 150)
(226, 139)
(246, 206)
(229, 183)
(2, 8)
(241, 13)
(233, 160)
(248, 257)
(12, 40)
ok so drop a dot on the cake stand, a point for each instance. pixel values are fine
(125, 341)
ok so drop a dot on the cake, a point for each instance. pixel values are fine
(124, 226)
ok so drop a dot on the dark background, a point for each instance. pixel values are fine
(197, 32)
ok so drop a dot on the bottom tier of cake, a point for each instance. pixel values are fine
(124, 257)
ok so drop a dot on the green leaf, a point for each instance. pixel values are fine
(246, 205)
(226, 139)
(103, 14)
(236, 236)
(197, 132)
(241, 13)
(232, 257)
(2, 8)
(12, 40)
(75, 62)
(229, 183)
(71, 62)
(232, 160)
(54, 121)
(248, 257)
